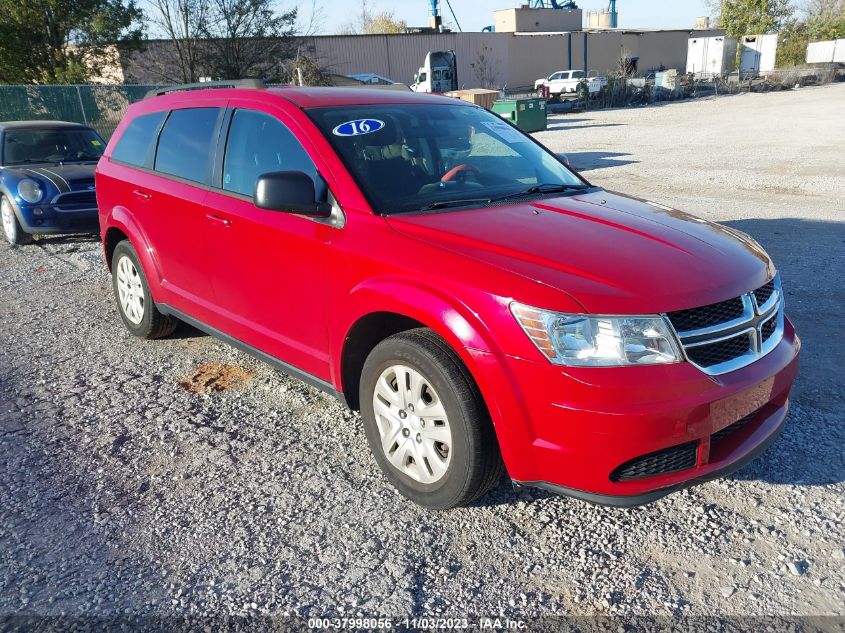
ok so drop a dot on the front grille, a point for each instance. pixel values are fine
(708, 316)
(725, 336)
(764, 293)
(721, 352)
(76, 201)
(668, 460)
(718, 436)
(769, 328)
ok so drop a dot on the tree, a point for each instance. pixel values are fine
(826, 19)
(484, 68)
(792, 44)
(822, 20)
(64, 41)
(370, 23)
(247, 38)
(180, 22)
(752, 17)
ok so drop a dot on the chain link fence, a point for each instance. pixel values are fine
(100, 106)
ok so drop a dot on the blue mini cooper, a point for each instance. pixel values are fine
(47, 178)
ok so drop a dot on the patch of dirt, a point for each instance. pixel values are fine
(214, 377)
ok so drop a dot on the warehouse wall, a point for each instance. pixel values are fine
(520, 58)
(516, 59)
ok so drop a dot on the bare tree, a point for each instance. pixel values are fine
(315, 21)
(180, 22)
(247, 38)
(484, 68)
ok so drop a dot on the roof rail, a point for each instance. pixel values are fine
(207, 85)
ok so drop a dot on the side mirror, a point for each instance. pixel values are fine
(289, 192)
(565, 160)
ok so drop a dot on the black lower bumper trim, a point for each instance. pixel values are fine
(631, 501)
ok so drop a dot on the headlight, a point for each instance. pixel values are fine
(30, 190)
(580, 340)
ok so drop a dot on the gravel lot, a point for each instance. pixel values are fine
(124, 491)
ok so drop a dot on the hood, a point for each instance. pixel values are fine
(64, 178)
(611, 253)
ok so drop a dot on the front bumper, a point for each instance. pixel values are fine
(50, 219)
(570, 430)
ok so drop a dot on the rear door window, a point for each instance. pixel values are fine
(135, 145)
(186, 143)
(260, 144)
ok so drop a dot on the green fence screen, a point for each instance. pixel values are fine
(100, 106)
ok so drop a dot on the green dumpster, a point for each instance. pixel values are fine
(529, 115)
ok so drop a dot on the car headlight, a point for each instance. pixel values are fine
(30, 191)
(581, 340)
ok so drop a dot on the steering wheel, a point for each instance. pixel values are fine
(460, 172)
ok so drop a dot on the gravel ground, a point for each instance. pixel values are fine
(124, 491)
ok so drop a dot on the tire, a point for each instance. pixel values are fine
(12, 230)
(441, 459)
(133, 297)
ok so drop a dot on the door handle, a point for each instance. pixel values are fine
(219, 220)
(142, 194)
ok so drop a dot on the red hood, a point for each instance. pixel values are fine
(612, 253)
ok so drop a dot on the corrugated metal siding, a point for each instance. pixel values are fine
(516, 60)
(400, 56)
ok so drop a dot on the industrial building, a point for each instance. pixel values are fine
(529, 41)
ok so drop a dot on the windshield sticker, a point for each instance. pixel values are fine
(95, 142)
(358, 127)
(505, 131)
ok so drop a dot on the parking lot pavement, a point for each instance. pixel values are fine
(247, 492)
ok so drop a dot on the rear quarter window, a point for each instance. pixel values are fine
(135, 145)
(186, 142)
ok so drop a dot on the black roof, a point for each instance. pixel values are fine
(44, 125)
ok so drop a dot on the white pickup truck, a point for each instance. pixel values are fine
(566, 82)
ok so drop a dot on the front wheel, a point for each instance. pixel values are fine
(12, 230)
(426, 423)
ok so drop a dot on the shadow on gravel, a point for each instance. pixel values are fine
(584, 161)
(184, 331)
(79, 238)
(559, 126)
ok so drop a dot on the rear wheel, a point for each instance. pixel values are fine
(134, 300)
(426, 423)
(12, 230)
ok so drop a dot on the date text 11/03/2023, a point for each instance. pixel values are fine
(419, 623)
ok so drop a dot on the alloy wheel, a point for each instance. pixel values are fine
(130, 290)
(412, 424)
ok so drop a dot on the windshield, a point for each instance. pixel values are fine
(25, 146)
(417, 157)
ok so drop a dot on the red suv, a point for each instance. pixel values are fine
(481, 304)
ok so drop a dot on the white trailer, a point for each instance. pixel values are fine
(828, 52)
(758, 54)
(711, 55)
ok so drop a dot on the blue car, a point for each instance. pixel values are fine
(47, 178)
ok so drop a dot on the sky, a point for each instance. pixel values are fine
(473, 15)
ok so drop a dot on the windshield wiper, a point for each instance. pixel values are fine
(542, 188)
(445, 204)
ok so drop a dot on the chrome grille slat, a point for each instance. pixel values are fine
(718, 348)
